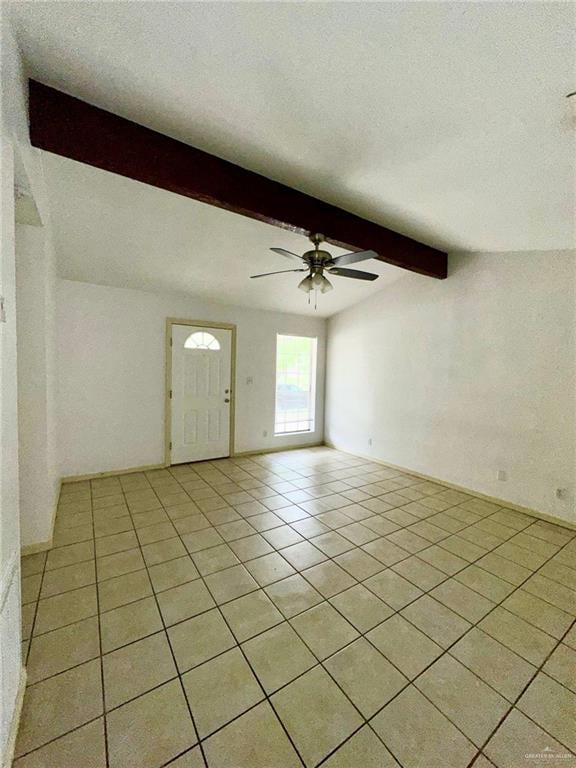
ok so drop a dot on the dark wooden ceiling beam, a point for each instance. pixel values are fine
(66, 126)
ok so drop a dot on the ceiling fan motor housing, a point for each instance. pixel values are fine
(317, 260)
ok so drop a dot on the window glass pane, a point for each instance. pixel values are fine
(201, 340)
(295, 384)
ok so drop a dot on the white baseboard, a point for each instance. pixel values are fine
(15, 722)
(112, 473)
(151, 467)
(38, 546)
(494, 499)
(276, 449)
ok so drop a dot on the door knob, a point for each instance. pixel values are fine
(226, 399)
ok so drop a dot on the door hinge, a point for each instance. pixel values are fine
(170, 395)
(170, 340)
(2, 310)
(170, 446)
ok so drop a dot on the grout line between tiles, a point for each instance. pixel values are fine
(179, 676)
(101, 659)
(537, 671)
(433, 513)
(444, 652)
(448, 648)
(266, 697)
(36, 606)
(513, 533)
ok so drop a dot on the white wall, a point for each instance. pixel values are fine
(39, 481)
(10, 655)
(111, 368)
(460, 378)
(26, 370)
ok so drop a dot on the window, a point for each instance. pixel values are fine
(202, 340)
(295, 384)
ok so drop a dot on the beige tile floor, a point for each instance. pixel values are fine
(294, 609)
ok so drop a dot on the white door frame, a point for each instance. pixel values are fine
(170, 321)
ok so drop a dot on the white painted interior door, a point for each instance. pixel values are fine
(201, 393)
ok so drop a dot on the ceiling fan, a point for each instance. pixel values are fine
(316, 262)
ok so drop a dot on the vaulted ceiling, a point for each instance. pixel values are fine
(444, 121)
(115, 231)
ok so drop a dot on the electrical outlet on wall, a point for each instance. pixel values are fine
(265, 433)
(562, 493)
(502, 475)
(370, 441)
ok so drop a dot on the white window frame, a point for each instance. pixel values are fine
(313, 377)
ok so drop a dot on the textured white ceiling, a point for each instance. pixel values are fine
(115, 231)
(447, 121)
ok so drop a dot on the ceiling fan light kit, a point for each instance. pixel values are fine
(317, 261)
(306, 284)
(321, 283)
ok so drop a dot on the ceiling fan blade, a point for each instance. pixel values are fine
(355, 256)
(280, 272)
(355, 273)
(288, 254)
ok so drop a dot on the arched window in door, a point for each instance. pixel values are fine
(202, 340)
